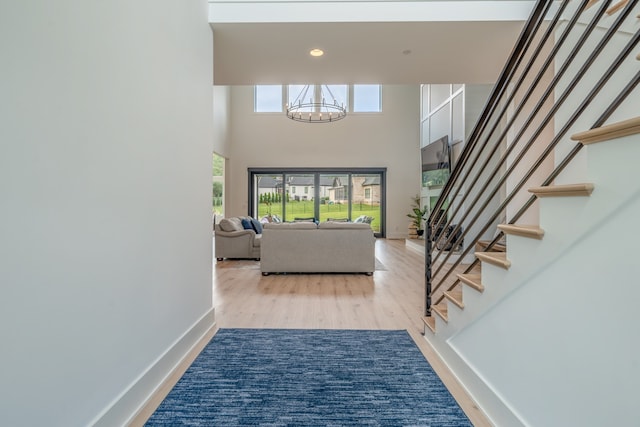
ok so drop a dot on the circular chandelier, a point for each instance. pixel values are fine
(316, 112)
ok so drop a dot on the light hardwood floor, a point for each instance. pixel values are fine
(393, 298)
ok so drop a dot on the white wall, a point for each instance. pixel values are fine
(389, 139)
(221, 120)
(105, 177)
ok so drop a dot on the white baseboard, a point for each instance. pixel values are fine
(126, 406)
(396, 236)
(497, 410)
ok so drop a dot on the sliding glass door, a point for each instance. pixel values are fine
(356, 195)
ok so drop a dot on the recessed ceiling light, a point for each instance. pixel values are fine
(316, 52)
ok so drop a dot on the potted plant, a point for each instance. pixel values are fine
(418, 215)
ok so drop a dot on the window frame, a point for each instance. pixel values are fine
(349, 104)
(253, 194)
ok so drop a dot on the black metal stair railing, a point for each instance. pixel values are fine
(552, 58)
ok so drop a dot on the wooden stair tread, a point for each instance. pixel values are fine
(472, 280)
(455, 296)
(430, 322)
(567, 190)
(481, 246)
(498, 259)
(608, 132)
(530, 231)
(441, 310)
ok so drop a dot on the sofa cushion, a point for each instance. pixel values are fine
(231, 224)
(257, 226)
(345, 225)
(290, 226)
(246, 224)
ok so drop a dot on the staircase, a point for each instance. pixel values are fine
(540, 326)
(524, 241)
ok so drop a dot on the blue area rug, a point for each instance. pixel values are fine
(301, 377)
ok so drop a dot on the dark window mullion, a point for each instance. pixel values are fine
(316, 195)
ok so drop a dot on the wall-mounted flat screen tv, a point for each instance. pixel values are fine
(436, 162)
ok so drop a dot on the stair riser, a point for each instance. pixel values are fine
(525, 253)
(611, 164)
(563, 215)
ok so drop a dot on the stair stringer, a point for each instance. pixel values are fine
(492, 395)
(568, 222)
(573, 364)
(494, 406)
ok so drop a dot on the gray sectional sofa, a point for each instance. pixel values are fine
(234, 240)
(328, 247)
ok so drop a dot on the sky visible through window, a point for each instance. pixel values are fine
(268, 99)
(337, 92)
(366, 98)
(296, 93)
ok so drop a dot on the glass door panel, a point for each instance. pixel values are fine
(334, 197)
(268, 197)
(299, 197)
(366, 201)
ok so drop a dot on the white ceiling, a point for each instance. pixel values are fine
(365, 41)
(440, 52)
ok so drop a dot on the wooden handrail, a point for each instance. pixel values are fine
(591, 3)
(605, 133)
(616, 7)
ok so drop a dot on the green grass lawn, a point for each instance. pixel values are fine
(304, 209)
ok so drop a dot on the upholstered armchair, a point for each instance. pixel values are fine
(234, 238)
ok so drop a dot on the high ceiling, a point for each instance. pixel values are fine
(365, 41)
(362, 52)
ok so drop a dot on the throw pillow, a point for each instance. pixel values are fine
(246, 224)
(229, 224)
(257, 227)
